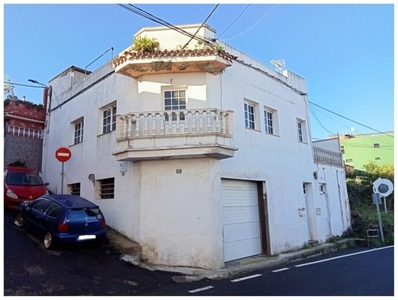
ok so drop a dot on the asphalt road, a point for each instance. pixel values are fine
(31, 270)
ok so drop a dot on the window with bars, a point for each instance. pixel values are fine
(74, 189)
(249, 116)
(79, 127)
(107, 188)
(175, 100)
(109, 119)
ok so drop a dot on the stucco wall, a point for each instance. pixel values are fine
(176, 216)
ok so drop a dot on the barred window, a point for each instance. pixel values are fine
(107, 188)
(74, 189)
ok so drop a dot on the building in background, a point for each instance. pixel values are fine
(23, 125)
(202, 155)
(360, 149)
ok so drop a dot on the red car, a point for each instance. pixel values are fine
(21, 184)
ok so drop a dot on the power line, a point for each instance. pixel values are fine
(155, 19)
(20, 84)
(313, 113)
(263, 17)
(332, 118)
(201, 25)
(234, 21)
(351, 119)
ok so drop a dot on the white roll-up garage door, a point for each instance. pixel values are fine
(241, 219)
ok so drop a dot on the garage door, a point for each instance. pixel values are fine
(241, 223)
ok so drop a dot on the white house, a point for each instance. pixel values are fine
(200, 155)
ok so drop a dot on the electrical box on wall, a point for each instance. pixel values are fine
(123, 167)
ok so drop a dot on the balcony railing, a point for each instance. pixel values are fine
(327, 157)
(21, 131)
(190, 133)
(174, 123)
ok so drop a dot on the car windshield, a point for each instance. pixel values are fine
(15, 178)
(84, 214)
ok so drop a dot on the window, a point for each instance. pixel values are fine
(322, 188)
(301, 131)
(40, 205)
(377, 158)
(349, 160)
(74, 189)
(175, 100)
(79, 126)
(249, 116)
(54, 210)
(377, 145)
(109, 119)
(107, 188)
(270, 121)
(342, 150)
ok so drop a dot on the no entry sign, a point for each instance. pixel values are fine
(63, 154)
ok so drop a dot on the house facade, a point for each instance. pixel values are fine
(23, 125)
(201, 156)
(360, 149)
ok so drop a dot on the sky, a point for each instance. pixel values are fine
(344, 51)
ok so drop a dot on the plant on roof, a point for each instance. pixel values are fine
(145, 44)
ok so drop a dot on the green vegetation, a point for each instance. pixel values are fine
(363, 211)
(145, 44)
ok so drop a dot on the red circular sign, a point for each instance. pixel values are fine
(63, 154)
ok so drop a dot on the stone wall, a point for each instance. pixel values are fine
(25, 149)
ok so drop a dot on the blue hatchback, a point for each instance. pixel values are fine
(62, 219)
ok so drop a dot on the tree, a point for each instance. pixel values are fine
(8, 88)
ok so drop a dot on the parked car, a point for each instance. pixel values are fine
(62, 219)
(22, 184)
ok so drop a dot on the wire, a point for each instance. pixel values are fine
(313, 113)
(350, 119)
(332, 118)
(155, 19)
(201, 26)
(253, 25)
(234, 21)
(32, 86)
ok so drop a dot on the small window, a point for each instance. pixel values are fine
(322, 188)
(107, 188)
(349, 160)
(249, 116)
(377, 158)
(304, 189)
(377, 145)
(301, 131)
(342, 150)
(109, 119)
(79, 126)
(74, 189)
(270, 121)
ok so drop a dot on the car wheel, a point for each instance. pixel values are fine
(48, 241)
(19, 220)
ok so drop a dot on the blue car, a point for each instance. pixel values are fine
(62, 219)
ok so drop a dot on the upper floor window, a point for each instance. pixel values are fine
(349, 160)
(342, 150)
(377, 158)
(175, 100)
(249, 116)
(270, 121)
(109, 119)
(377, 145)
(301, 131)
(79, 127)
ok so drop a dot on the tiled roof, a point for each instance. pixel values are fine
(131, 55)
(10, 114)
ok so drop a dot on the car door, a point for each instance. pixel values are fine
(35, 215)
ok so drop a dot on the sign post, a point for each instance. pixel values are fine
(63, 155)
(384, 187)
(377, 201)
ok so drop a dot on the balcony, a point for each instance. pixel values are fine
(327, 157)
(135, 64)
(196, 133)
